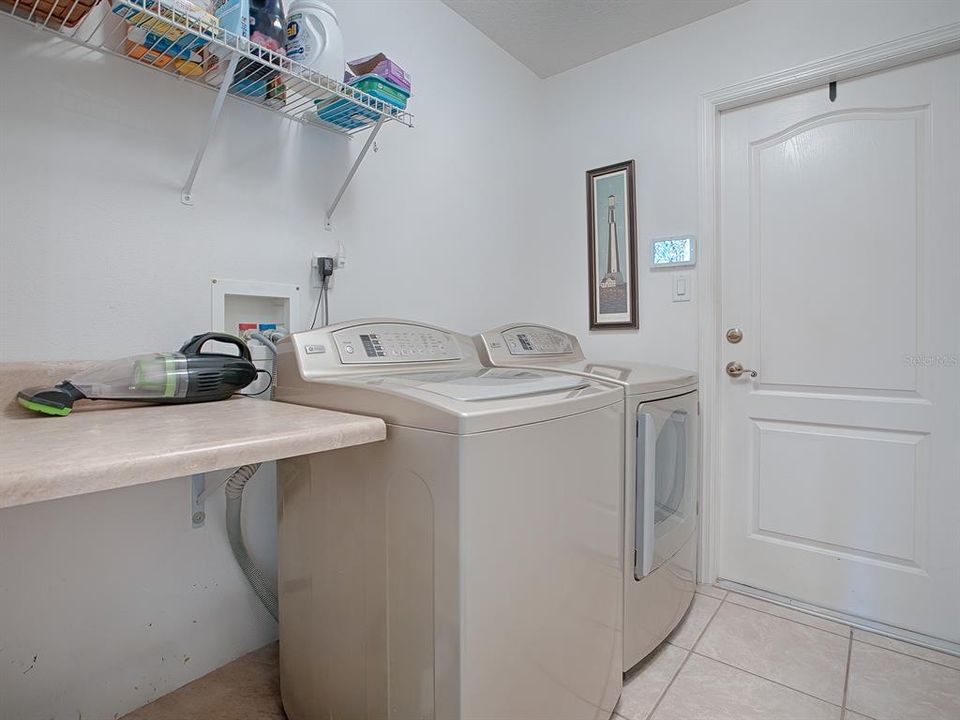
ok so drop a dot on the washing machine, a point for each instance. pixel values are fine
(467, 567)
(661, 473)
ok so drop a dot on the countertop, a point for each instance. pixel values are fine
(103, 446)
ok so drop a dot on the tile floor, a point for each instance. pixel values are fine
(732, 658)
(737, 658)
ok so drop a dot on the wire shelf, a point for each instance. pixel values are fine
(258, 76)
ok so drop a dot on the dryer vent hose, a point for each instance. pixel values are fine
(234, 492)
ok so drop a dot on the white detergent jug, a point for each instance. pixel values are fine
(314, 40)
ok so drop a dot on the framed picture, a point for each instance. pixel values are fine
(612, 244)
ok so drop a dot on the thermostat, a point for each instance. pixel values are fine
(680, 251)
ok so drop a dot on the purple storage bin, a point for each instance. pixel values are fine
(389, 70)
(383, 66)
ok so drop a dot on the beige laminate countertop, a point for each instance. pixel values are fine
(102, 446)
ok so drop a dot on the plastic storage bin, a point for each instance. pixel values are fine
(347, 114)
(382, 89)
(352, 115)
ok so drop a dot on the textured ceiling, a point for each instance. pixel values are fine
(550, 36)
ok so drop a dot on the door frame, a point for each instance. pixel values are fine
(911, 48)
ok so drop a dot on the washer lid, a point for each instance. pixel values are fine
(484, 383)
(635, 378)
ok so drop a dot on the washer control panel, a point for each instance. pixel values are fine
(534, 340)
(387, 343)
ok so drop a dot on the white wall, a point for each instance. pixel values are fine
(642, 103)
(473, 218)
(113, 592)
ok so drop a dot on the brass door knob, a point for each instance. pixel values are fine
(735, 370)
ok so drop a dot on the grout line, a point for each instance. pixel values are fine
(649, 715)
(846, 678)
(721, 599)
(761, 677)
(906, 654)
(776, 682)
(685, 659)
(703, 630)
(707, 624)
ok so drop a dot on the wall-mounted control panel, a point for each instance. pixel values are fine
(669, 252)
(388, 343)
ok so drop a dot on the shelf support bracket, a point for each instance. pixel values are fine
(353, 171)
(186, 196)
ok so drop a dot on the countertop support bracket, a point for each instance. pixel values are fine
(197, 499)
(186, 196)
(328, 224)
(199, 494)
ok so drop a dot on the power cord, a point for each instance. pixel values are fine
(326, 313)
(267, 388)
(325, 267)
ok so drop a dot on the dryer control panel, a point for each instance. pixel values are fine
(524, 344)
(388, 343)
(536, 340)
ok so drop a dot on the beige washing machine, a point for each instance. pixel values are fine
(466, 568)
(661, 473)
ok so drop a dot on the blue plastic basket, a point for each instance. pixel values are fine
(351, 114)
(347, 114)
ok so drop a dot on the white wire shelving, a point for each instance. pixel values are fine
(231, 66)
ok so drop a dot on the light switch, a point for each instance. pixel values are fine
(681, 287)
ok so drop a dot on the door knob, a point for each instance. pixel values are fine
(735, 369)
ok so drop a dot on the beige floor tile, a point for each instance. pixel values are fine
(707, 690)
(644, 685)
(851, 715)
(712, 591)
(690, 628)
(907, 648)
(790, 614)
(889, 686)
(246, 689)
(798, 656)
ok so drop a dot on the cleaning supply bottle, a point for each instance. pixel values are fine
(267, 30)
(314, 39)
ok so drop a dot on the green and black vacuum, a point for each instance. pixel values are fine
(186, 376)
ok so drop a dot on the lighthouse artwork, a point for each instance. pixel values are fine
(613, 290)
(611, 224)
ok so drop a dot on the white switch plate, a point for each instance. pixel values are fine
(682, 288)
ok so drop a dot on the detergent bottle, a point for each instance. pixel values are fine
(314, 39)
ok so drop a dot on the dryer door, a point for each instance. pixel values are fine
(666, 474)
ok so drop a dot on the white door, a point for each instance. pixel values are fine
(840, 263)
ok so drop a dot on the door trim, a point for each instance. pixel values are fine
(912, 48)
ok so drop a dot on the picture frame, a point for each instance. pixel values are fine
(612, 246)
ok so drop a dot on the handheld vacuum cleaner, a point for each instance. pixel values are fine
(186, 376)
